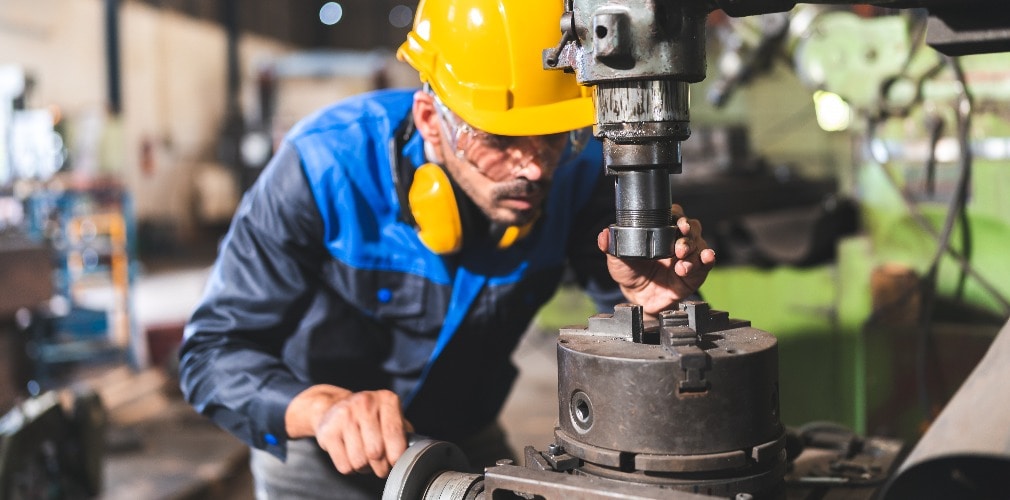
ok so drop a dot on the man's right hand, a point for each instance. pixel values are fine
(362, 431)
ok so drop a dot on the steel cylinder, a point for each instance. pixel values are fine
(637, 111)
(624, 396)
(692, 395)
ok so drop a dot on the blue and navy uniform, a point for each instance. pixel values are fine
(319, 280)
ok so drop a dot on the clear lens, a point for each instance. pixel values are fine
(577, 141)
(501, 157)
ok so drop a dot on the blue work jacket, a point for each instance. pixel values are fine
(319, 280)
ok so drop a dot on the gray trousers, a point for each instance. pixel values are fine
(308, 472)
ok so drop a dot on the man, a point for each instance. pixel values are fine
(378, 275)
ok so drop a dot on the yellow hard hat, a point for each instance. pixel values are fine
(483, 59)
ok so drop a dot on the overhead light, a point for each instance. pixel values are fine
(401, 16)
(330, 13)
(833, 113)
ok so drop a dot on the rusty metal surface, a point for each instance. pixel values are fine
(837, 464)
(25, 281)
(15, 366)
(686, 402)
(25, 273)
(556, 485)
(966, 452)
(620, 395)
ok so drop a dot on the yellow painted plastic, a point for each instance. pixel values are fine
(483, 59)
(509, 237)
(514, 233)
(435, 211)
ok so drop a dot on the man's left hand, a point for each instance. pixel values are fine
(660, 284)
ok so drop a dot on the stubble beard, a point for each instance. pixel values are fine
(518, 188)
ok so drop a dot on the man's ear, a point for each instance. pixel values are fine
(427, 121)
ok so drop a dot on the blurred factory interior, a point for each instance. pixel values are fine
(849, 177)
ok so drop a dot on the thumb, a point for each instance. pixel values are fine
(603, 240)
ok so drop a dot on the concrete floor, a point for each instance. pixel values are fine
(195, 460)
(531, 410)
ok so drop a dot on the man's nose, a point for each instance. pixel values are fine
(531, 167)
(532, 170)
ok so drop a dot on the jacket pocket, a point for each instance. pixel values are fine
(397, 300)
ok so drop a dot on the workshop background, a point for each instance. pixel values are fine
(852, 180)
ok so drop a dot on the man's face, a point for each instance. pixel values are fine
(508, 177)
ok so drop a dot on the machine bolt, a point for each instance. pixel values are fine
(554, 449)
(504, 461)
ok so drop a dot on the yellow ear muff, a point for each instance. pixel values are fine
(433, 205)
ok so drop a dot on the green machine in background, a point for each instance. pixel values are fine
(879, 332)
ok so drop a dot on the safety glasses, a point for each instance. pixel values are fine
(502, 157)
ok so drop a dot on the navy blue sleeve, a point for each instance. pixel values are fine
(262, 282)
(588, 263)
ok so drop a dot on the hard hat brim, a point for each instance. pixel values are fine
(553, 118)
